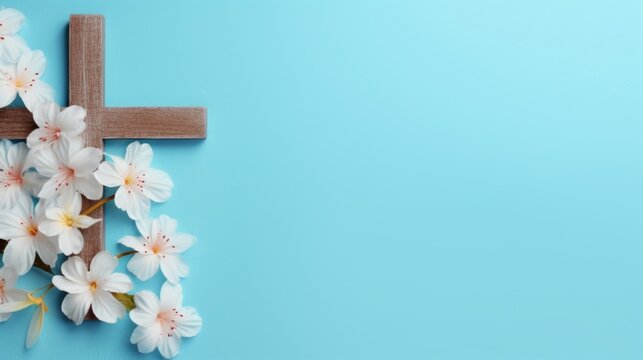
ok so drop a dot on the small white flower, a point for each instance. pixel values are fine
(17, 182)
(92, 288)
(23, 79)
(11, 44)
(54, 124)
(64, 222)
(162, 323)
(137, 183)
(9, 295)
(159, 245)
(69, 168)
(22, 227)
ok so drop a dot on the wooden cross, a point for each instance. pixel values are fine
(86, 89)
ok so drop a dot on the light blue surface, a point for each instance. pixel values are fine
(384, 179)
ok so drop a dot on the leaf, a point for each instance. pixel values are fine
(126, 299)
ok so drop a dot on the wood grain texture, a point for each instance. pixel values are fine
(86, 89)
(16, 124)
(154, 123)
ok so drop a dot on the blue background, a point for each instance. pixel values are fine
(395, 179)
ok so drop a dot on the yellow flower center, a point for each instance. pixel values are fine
(32, 230)
(93, 286)
(68, 220)
(19, 83)
(128, 181)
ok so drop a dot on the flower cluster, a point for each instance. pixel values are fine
(42, 185)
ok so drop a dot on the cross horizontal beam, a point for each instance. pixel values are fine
(119, 123)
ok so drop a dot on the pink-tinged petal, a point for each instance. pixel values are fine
(147, 309)
(158, 185)
(146, 338)
(136, 205)
(139, 155)
(89, 187)
(76, 306)
(180, 243)
(132, 243)
(55, 186)
(83, 222)
(86, 161)
(169, 346)
(37, 94)
(75, 270)
(171, 296)
(116, 282)
(108, 176)
(47, 249)
(71, 241)
(103, 264)
(35, 326)
(69, 286)
(106, 307)
(39, 138)
(20, 254)
(173, 268)
(72, 120)
(143, 266)
(190, 323)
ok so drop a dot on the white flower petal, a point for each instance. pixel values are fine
(8, 93)
(144, 226)
(139, 154)
(106, 307)
(52, 227)
(10, 225)
(20, 254)
(136, 205)
(158, 185)
(35, 326)
(75, 270)
(71, 241)
(132, 242)
(69, 286)
(180, 243)
(146, 338)
(116, 282)
(143, 266)
(171, 296)
(72, 120)
(190, 323)
(37, 94)
(83, 222)
(46, 114)
(107, 175)
(86, 161)
(11, 20)
(102, 265)
(47, 249)
(8, 276)
(76, 306)
(147, 309)
(12, 47)
(89, 187)
(173, 268)
(169, 346)
(33, 182)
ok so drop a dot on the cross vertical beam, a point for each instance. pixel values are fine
(86, 89)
